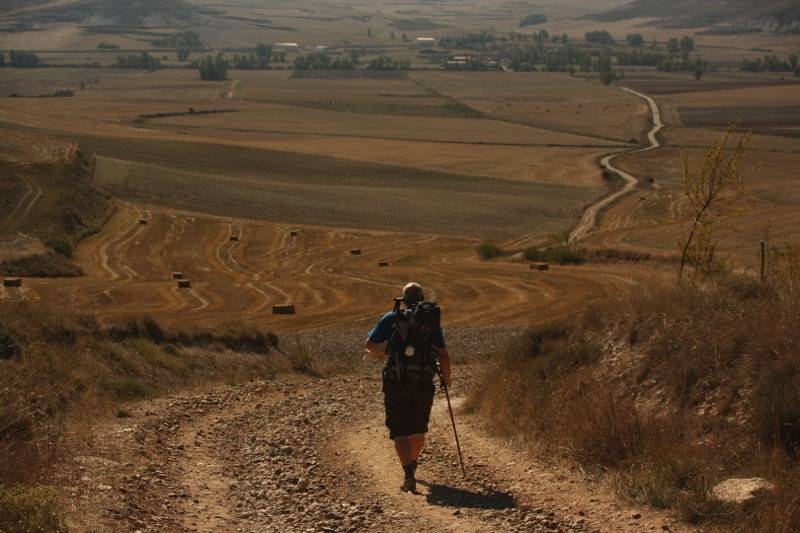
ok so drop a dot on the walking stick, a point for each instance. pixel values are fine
(452, 418)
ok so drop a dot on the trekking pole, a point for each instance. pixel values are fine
(452, 418)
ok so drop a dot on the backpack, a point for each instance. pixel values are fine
(409, 348)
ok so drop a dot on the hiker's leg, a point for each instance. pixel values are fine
(405, 450)
(417, 443)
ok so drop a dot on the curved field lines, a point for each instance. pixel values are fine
(239, 268)
(24, 204)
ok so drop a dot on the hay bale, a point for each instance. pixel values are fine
(12, 282)
(283, 310)
(383, 264)
(540, 266)
(294, 233)
(177, 275)
(184, 284)
(235, 238)
(144, 221)
(355, 251)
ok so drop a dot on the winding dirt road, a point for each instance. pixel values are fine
(589, 218)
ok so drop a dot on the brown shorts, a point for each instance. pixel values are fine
(408, 407)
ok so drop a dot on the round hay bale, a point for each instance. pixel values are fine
(235, 238)
(540, 266)
(12, 282)
(294, 233)
(184, 284)
(177, 275)
(144, 221)
(355, 251)
(383, 264)
(283, 310)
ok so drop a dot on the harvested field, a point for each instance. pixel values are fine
(286, 119)
(654, 219)
(662, 84)
(545, 100)
(448, 109)
(745, 116)
(544, 164)
(764, 107)
(338, 74)
(287, 187)
(129, 273)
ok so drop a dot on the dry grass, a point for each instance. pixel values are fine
(58, 368)
(667, 390)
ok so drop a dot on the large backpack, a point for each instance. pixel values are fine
(410, 357)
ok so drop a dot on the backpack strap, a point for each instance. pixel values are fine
(393, 341)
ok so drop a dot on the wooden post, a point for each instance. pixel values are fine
(763, 259)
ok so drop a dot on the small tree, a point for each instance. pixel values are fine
(214, 68)
(183, 53)
(369, 32)
(2, 59)
(635, 40)
(717, 179)
(699, 67)
(264, 52)
(672, 46)
(687, 44)
(605, 72)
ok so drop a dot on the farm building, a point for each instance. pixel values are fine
(286, 47)
(425, 41)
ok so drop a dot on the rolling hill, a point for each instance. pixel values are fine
(778, 16)
(116, 13)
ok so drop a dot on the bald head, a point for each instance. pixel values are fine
(412, 293)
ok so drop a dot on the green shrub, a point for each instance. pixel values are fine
(34, 509)
(488, 251)
(562, 255)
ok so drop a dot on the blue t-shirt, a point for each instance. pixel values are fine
(382, 331)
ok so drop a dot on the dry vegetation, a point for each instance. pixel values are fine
(667, 390)
(50, 205)
(128, 270)
(60, 371)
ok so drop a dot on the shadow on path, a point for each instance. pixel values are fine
(445, 496)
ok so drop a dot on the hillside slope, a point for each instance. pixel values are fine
(721, 15)
(49, 204)
(117, 13)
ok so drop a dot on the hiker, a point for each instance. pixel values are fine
(412, 342)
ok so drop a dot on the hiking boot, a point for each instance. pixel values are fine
(409, 485)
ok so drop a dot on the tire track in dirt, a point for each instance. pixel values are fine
(24, 198)
(301, 454)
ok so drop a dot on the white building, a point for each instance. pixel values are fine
(425, 41)
(286, 47)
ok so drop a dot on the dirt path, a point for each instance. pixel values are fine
(589, 218)
(308, 454)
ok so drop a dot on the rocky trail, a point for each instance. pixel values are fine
(307, 454)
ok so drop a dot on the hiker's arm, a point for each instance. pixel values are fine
(375, 351)
(444, 361)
